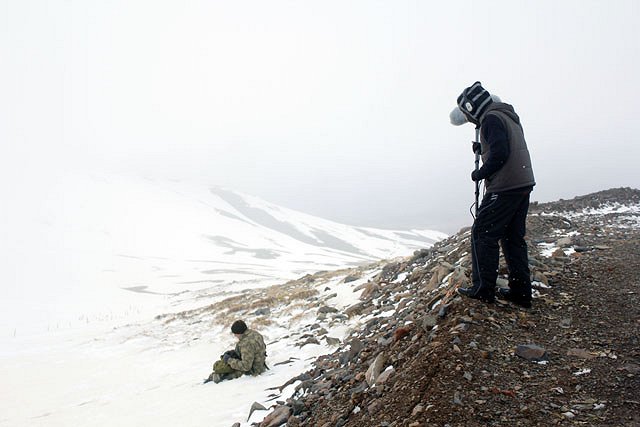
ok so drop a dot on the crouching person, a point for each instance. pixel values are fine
(248, 358)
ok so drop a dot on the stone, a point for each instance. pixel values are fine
(370, 291)
(531, 352)
(465, 319)
(389, 271)
(540, 277)
(417, 410)
(461, 327)
(351, 278)
(262, 312)
(355, 309)
(399, 333)
(331, 340)
(417, 275)
(458, 278)
(501, 282)
(373, 407)
(601, 247)
(457, 398)
(326, 309)
(383, 377)
(383, 342)
(255, 407)
(355, 346)
(298, 407)
(278, 417)
(428, 322)
(443, 311)
(565, 242)
(374, 369)
(311, 340)
(580, 352)
(359, 388)
(565, 323)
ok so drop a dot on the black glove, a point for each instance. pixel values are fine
(476, 147)
(226, 358)
(475, 175)
(232, 353)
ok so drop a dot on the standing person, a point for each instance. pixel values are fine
(508, 179)
(248, 358)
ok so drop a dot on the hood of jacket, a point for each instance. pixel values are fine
(503, 108)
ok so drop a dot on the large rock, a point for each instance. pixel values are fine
(355, 309)
(429, 321)
(383, 377)
(355, 346)
(370, 291)
(326, 309)
(374, 370)
(351, 278)
(332, 341)
(458, 278)
(439, 273)
(417, 275)
(565, 242)
(538, 276)
(531, 352)
(279, 416)
(255, 407)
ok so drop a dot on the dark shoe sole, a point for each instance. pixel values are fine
(505, 294)
(467, 292)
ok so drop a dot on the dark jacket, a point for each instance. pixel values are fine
(506, 163)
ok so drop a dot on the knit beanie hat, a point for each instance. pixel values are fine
(238, 327)
(473, 102)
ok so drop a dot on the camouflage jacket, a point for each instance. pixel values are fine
(252, 351)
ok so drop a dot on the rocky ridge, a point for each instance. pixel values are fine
(425, 357)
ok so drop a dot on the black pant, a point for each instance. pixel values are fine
(501, 218)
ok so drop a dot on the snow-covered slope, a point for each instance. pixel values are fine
(151, 373)
(80, 249)
(108, 284)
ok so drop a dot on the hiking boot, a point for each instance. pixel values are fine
(217, 378)
(475, 293)
(519, 300)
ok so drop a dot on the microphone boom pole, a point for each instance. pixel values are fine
(477, 153)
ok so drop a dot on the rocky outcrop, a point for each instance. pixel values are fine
(441, 360)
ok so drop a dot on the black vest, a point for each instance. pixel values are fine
(517, 171)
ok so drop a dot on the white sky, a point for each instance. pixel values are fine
(339, 109)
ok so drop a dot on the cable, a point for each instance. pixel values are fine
(484, 190)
